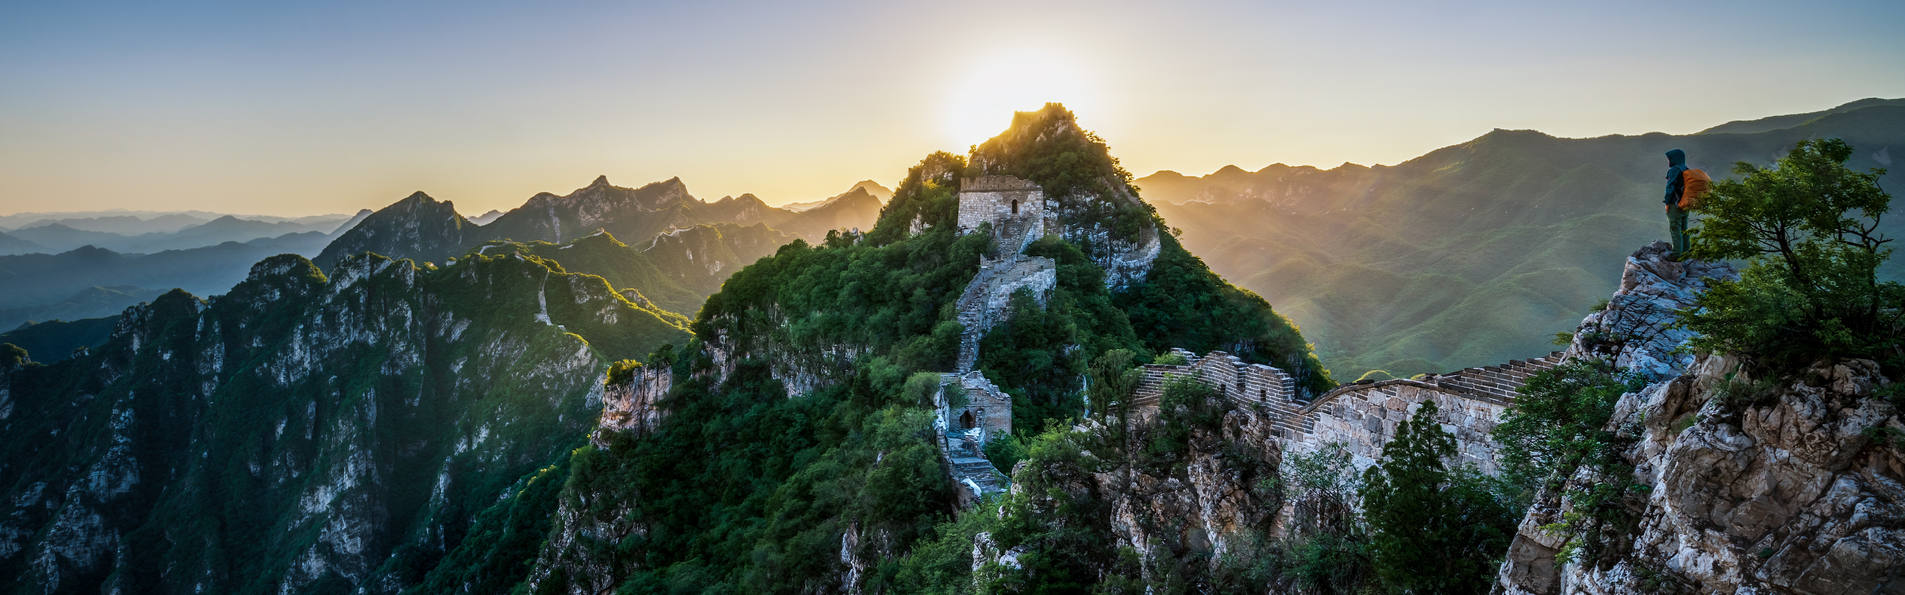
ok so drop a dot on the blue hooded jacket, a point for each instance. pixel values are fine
(1676, 163)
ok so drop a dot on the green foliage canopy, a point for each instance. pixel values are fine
(1810, 290)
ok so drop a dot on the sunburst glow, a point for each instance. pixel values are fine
(980, 105)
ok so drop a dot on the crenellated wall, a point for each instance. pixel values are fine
(1361, 416)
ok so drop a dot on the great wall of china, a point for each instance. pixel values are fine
(1361, 416)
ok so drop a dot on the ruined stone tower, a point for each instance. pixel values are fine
(1014, 207)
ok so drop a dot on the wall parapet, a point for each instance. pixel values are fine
(1363, 415)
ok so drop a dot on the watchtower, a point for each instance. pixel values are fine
(1015, 208)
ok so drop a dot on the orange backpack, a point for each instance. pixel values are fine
(1694, 185)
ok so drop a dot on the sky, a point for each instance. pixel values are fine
(322, 107)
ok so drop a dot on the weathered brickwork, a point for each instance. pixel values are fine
(1361, 416)
(971, 411)
(1014, 207)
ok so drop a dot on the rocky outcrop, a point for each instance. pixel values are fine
(1194, 505)
(1752, 485)
(1636, 330)
(633, 406)
(1804, 492)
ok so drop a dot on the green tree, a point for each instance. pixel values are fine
(1559, 422)
(1432, 530)
(1327, 550)
(1810, 290)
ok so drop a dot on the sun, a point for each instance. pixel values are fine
(980, 105)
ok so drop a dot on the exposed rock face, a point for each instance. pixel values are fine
(301, 432)
(578, 556)
(1218, 489)
(1795, 495)
(1787, 490)
(633, 407)
(1635, 331)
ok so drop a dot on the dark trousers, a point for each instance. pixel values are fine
(1677, 227)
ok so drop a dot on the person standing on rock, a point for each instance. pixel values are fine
(1676, 218)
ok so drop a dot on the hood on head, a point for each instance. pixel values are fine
(1676, 157)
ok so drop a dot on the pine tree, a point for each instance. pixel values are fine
(1432, 529)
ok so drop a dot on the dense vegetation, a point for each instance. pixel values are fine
(1558, 427)
(743, 489)
(1808, 229)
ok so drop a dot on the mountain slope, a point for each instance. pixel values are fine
(787, 449)
(303, 432)
(418, 227)
(56, 340)
(677, 270)
(1449, 259)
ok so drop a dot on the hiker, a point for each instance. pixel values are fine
(1676, 218)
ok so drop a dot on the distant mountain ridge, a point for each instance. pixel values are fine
(60, 235)
(49, 286)
(422, 228)
(1444, 261)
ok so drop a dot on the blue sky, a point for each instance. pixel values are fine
(323, 107)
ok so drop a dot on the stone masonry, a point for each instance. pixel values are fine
(1361, 416)
(970, 411)
(1014, 207)
(1014, 211)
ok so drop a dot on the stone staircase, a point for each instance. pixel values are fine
(970, 469)
(1501, 381)
(982, 305)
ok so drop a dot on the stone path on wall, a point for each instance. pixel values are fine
(1364, 415)
(987, 299)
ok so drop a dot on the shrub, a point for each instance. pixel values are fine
(1810, 290)
(1559, 421)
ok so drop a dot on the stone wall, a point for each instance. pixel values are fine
(1362, 416)
(989, 408)
(987, 299)
(1014, 207)
(1364, 419)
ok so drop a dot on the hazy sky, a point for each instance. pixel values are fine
(297, 108)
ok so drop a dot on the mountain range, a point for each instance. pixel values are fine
(54, 236)
(967, 397)
(423, 228)
(1449, 260)
(93, 281)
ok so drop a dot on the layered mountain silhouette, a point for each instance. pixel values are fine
(423, 228)
(1449, 260)
(111, 233)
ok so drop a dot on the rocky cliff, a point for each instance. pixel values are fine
(1745, 484)
(304, 432)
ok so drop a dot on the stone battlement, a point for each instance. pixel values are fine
(996, 183)
(1361, 416)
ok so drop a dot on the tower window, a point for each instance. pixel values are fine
(1015, 207)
